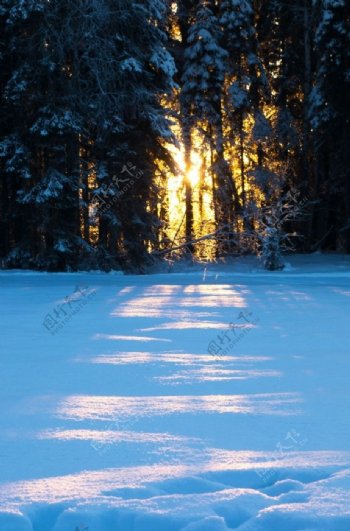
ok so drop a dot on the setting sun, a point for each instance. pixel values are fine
(196, 163)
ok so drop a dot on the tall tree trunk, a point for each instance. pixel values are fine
(4, 221)
(84, 179)
(187, 142)
(308, 173)
(241, 162)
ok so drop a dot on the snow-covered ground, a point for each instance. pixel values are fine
(207, 400)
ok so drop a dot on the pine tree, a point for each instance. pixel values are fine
(182, 24)
(246, 78)
(330, 119)
(85, 124)
(19, 28)
(202, 90)
(283, 32)
(83, 94)
(144, 74)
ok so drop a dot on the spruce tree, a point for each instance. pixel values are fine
(202, 91)
(330, 120)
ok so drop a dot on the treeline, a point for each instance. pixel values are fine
(95, 92)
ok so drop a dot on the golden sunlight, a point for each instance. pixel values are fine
(196, 164)
(201, 199)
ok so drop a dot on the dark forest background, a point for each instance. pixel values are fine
(97, 94)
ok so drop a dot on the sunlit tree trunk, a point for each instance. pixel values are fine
(184, 8)
(227, 196)
(241, 162)
(187, 143)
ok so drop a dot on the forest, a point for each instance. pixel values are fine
(134, 133)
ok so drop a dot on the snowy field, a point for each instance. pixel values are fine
(209, 400)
